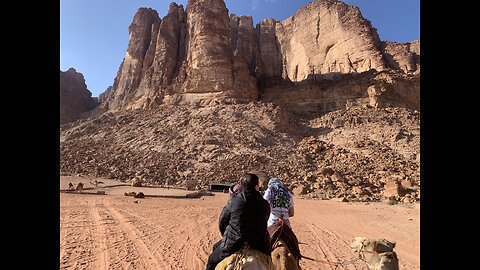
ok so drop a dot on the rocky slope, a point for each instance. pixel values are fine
(357, 153)
(75, 98)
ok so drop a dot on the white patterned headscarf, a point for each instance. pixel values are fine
(278, 193)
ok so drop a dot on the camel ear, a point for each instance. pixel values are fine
(357, 243)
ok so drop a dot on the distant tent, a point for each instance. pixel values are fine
(220, 187)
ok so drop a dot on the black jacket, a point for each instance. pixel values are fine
(244, 218)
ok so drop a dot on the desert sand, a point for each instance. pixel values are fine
(114, 231)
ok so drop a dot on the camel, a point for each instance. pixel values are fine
(285, 250)
(246, 259)
(79, 186)
(378, 254)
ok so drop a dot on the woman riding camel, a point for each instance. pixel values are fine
(243, 220)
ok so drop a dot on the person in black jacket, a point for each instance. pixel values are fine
(243, 219)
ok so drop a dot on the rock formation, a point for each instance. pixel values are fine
(75, 98)
(210, 65)
(204, 56)
(142, 34)
(271, 64)
(317, 100)
(328, 36)
(402, 56)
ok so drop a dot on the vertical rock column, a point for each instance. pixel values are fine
(142, 30)
(210, 65)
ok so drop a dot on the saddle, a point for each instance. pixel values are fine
(246, 258)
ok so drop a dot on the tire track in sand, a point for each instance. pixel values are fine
(340, 248)
(160, 232)
(100, 235)
(132, 233)
(194, 243)
(76, 242)
(333, 249)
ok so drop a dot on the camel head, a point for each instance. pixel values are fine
(285, 250)
(282, 258)
(378, 254)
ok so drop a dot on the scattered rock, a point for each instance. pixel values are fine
(136, 182)
(340, 199)
(299, 190)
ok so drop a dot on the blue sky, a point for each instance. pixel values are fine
(94, 33)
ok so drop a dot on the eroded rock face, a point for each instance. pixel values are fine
(402, 56)
(243, 38)
(163, 59)
(204, 56)
(75, 98)
(368, 89)
(209, 62)
(328, 36)
(210, 65)
(271, 64)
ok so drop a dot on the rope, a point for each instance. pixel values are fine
(278, 235)
(360, 256)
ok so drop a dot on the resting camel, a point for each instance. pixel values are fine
(246, 259)
(378, 253)
(79, 186)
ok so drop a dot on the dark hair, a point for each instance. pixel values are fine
(249, 181)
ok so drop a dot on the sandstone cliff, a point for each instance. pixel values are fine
(271, 64)
(328, 36)
(333, 111)
(75, 98)
(203, 55)
(184, 57)
(319, 94)
(402, 56)
(210, 65)
(142, 33)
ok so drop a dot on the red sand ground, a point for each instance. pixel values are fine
(114, 232)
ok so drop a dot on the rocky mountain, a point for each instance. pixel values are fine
(317, 100)
(75, 98)
(204, 55)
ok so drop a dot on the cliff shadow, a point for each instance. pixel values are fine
(317, 94)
